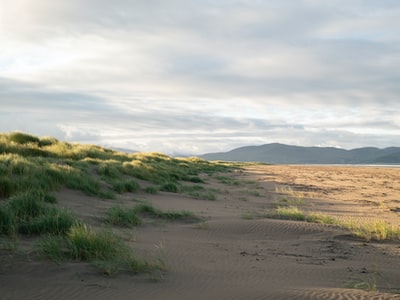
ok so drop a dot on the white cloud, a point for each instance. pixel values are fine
(198, 76)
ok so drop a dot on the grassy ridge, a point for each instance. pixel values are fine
(28, 162)
(33, 168)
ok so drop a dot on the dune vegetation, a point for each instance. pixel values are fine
(33, 169)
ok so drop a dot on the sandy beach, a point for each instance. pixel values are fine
(234, 252)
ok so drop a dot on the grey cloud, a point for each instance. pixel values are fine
(310, 71)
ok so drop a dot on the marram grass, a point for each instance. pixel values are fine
(376, 230)
(33, 168)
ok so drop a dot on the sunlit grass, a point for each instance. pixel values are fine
(33, 168)
(376, 230)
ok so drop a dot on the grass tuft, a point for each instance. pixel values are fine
(125, 217)
(169, 187)
(125, 186)
(375, 230)
(89, 245)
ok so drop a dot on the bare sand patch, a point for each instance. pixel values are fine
(229, 254)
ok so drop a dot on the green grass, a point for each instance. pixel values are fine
(169, 187)
(125, 186)
(296, 214)
(126, 217)
(33, 168)
(88, 245)
(289, 213)
(149, 210)
(27, 161)
(8, 225)
(227, 180)
(198, 192)
(54, 221)
(30, 213)
(103, 249)
(152, 190)
(377, 230)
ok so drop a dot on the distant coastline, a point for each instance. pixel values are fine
(287, 154)
(348, 165)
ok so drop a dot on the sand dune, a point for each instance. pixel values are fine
(233, 253)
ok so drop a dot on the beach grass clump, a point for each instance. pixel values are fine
(23, 138)
(321, 218)
(110, 169)
(204, 195)
(131, 216)
(105, 250)
(54, 247)
(288, 190)
(125, 186)
(88, 245)
(169, 187)
(29, 213)
(6, 187)
(296, 214)
(377, 230)
(199, 192)
(289, 213)
(227, 180)
(119, 216)
(54, 221)
(151, 189)
(8, 225)
(149, 210)
(102, 248)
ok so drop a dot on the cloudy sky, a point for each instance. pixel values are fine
(189, 77)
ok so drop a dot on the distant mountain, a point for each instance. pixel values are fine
(285, 154)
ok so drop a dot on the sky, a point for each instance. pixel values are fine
(192, 77)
